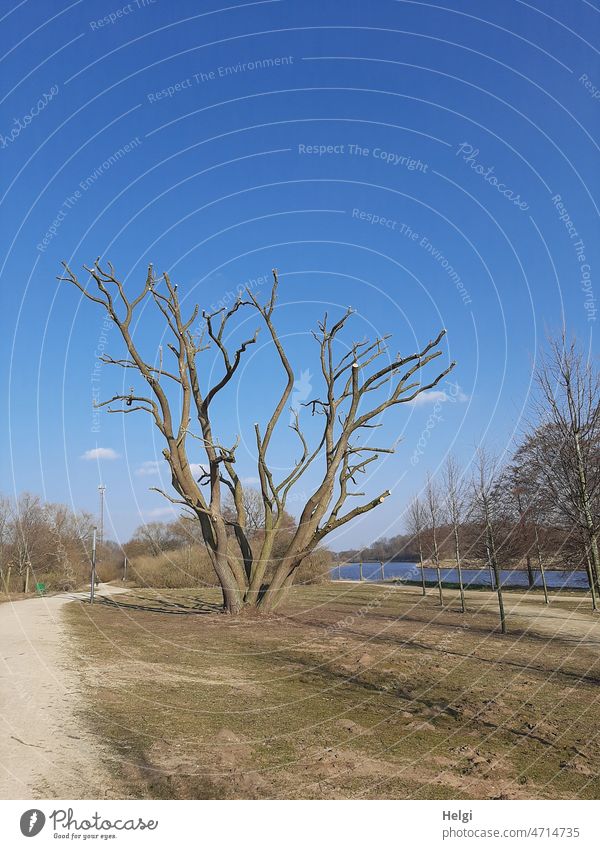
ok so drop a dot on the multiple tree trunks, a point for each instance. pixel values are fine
(358, 387)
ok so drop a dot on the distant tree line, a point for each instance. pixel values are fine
(386, 549)
(50, 544)
(44, 543)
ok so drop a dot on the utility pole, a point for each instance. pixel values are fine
(93, 573)
(101, 490)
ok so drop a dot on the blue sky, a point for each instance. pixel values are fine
(219, 141)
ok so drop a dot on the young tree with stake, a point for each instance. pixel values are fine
(456, 502)
(416, 526)
(433, 506)
(485, 493)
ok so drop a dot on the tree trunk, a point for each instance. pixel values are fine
(587, 508)
(530, 574)
(259, 567)
(497, 577)
(436, 558)
(274, 596)
(279, 585)
(422, 567)
(541, 565)
(459, 569)
(233, 601)
(595, 562)
(233, 594)
(490, 568)
(590, 579)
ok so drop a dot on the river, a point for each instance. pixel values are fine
(411, 572)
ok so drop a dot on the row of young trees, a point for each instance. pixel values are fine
(539, 508)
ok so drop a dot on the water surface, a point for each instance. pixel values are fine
(411, 572)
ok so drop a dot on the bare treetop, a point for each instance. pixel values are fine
(358, 388)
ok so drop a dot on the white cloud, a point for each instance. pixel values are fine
(100, 454)
(159, 512)
(198, 469)
(250, 481)
(435, 396)
(429, 398)
(148, 467)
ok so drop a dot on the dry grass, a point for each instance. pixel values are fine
(190, 567)
(353, 691)
(181, 568)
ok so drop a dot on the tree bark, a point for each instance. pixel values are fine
(530, 573)
(591, 580)
(497, 575)
(541, 565)
(459, 569)
(422, 567)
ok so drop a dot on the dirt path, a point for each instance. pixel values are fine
(571, 619)
(568, 617)
(45, 749)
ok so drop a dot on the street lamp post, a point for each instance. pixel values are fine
(93, 573)
(101, 490)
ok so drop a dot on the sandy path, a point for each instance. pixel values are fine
(45, 749)
(580, 626)
(569, 617)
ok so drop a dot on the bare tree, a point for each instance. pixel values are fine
(485, 492)
(434, 510)
(30, 538)
(416, 526)
(566, 443)
(5, 541)
(254, 510)
(356, 392)
(456, 504)
(526, 494)
(155, 538)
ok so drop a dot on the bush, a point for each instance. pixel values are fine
(315, 568)
(178, 569)
(188, 567)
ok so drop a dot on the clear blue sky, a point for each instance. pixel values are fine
(179, 133)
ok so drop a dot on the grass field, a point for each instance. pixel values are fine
(352, 691)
